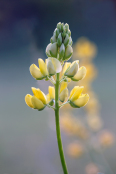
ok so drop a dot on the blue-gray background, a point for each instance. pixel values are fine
(27, 143)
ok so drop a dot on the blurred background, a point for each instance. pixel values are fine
(28, 142)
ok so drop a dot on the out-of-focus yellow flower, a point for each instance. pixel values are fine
(77, 99)
(72, 69)
(75, 149)
(84, 49)
(63, 91)
(106, 138)
(94, 122)
(53, 65)
(80, 74)
(91, 169)
(38, 101)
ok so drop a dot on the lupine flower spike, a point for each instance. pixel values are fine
(58, 51)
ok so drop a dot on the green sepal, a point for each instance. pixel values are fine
(74, 79)
(42, 108)
(39, 78)
(51, 103)
(73, 105)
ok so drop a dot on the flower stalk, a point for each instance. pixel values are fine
(60, 147)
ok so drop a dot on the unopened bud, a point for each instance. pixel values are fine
(69, 33)
(59, 25)
(66, 40)
(62, 25)
(48, 50)
(59, 40)
(56, 32)
(70, 41)
(53, 38)
(53, 50)
(68, 52)
(66, 26)
(62, 51)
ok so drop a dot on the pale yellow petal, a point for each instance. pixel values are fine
(51, 92)
(37, 103)
(56, 63)
(73, 69)
(50, 67)
(48, 98)
(77, 93)
(66, 65)
(82, 100)
(28, 100)
(43, 67)
(63, 95)
(80, 74)
(73, 91)
(63, 86)
(39, 94)
(35, 72)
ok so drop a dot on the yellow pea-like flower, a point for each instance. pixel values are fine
(35, 72)
(51, 92)
(80, 74)
(77, 99)
(66, 65)
(53, 65)
(28, 100)
(37, 103)
(63, 91)
(72, 69)
(40, 95)
(43, 67)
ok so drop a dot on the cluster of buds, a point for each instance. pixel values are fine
(61, 43)
(58, 51)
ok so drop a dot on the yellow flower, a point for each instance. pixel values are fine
(63, 91)
(51, 92)
(77, 99)
(53, 65)
(43, 67)
(72, 69)
(75, 149)
(35, 72)
(38, 101)
(80, 74)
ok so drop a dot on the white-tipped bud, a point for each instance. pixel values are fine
(54, 50)
(62, 51)
(59, 25)
(56, 32)
(59, 40)
(53, 38)
(69, 33)
(48, 50)
(66, 26)
(66, 40)
(68, 52)
(70, 41)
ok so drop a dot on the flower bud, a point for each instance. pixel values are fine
(54, 50)
(56, 32)
(59, 25)
(66, 26)
(68, 52)
(72, 70)
(70, 41)
(53, 38)
(35, 72)
(62, 51)
(59, 40)
(66, 40)
(62, 25)
(80, 74)
(48, 50)
(63, 91)
(69, 33)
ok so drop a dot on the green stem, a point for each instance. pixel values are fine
(62, 158)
